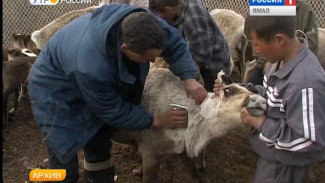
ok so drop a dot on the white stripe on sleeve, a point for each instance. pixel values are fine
(296, 148)
(311, 113)
(304, 113)
(308, 125)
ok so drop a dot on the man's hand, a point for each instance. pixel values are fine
(254, 121)
(195, 90)
(171, 119)
(217, 87)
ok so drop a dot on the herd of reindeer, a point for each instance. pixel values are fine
(16, 63)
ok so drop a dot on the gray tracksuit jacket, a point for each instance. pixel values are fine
(294, 131)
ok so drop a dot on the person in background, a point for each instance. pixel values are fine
(89, 78)
(306, 22)
(290, 137)
(208, 46)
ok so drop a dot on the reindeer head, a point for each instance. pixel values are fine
(234, 98)
(23, 41)
(14, 53)
(221, 114)
(17, 52)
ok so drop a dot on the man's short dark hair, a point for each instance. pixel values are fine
(141, 31)
(266, 27)
(159, 5)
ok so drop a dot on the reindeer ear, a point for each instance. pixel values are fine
(226, 79)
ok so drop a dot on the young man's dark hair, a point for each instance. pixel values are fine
(135, 29)
(269, 26)
(159, 5)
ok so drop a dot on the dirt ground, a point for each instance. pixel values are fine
(229, 160)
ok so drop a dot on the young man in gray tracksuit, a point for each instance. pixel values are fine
(291, 136)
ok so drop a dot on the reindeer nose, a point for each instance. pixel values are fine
(256, 105)
(257, 98)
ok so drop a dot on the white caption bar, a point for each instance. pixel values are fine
(272, 10)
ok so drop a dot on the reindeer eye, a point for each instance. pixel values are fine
(227, 92)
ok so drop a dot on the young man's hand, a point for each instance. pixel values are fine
(217, 87)
(254, 121)
(171, 119)
(195, 90)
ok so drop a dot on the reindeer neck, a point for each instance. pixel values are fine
(212, 122)
(201, 119)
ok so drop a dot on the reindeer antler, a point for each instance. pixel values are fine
(224, 78)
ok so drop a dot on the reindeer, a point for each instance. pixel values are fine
(213, 118)
(231, 25)
(15, 73)
(24, 41)
(40, 37)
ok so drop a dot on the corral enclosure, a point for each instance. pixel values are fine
(19, 16)
(229, 160)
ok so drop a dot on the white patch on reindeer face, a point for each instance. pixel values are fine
(28, 53)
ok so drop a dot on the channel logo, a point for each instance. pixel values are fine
(272, 7)
(43, 2)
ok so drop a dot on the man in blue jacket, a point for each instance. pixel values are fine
(89, 78)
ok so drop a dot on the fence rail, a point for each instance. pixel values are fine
(19, 16)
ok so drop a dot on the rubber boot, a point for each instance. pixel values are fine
(99, 176)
